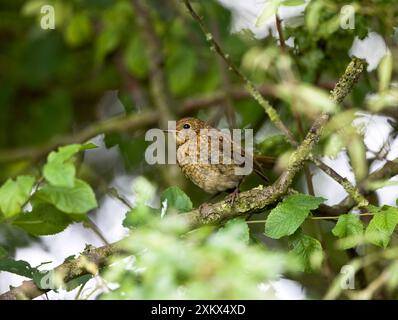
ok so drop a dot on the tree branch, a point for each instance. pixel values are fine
(116, 124)
(88, 262)
(353, 192)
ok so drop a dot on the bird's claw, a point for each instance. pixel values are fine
(232, 197)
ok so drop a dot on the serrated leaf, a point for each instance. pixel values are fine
(382, 226)
(58, 170)
(289, 214)
(308, 250)
(78, 199)
(14, 194)
(44, 219)
(347, 228)
(176, 199)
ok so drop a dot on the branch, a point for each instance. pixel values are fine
(353, 192)
(389, 170)
(88, 262)
(348, 80)
(278, 23)
(130, 122)
(116, 124)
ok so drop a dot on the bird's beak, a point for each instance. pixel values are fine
(170, 131)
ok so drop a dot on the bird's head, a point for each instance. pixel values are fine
(188, 128)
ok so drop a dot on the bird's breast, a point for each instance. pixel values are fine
(212, 178)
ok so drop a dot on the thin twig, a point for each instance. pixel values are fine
(278, 23)
(347, 185)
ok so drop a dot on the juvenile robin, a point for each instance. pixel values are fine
(210, 158)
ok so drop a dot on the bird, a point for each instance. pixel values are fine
(213, 177)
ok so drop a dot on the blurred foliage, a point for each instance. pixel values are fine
(169, 263)
(54, 83)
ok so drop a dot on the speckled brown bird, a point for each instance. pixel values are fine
(212, 178)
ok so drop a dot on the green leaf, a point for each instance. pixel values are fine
(270, 9)
(289, 214)
(58, 170)
(348, 227)
(143, 190)
(307, 249)
(334, 145)
(18, 267)
(293, 3)
(140, 215)
(79, 30)
(14, 194)
(385, 71)
(32, 7)
(44, 219)
(313, 15)
(181, 67)
(73, 284)
(3, 253)
(135, 57)
(274, 146)
(106, 42)
(78, 199)
(307, 99)
(239, 228)
(382, 226)
(357, 150)
(175, 198)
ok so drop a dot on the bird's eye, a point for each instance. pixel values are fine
(186, 126)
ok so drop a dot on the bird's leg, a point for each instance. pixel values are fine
(233, 196)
